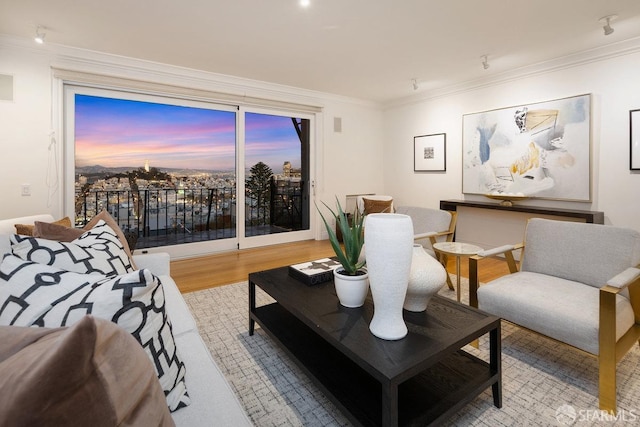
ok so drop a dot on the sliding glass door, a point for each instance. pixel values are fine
(179, 173)
(277, 183)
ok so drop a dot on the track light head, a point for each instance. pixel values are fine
(606, 23)
(485, 62)
(40, 35)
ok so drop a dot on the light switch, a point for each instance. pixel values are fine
(26, 189)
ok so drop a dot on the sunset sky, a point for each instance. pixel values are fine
(122, 133)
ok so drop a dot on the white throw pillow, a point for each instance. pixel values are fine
(98, 250)
(33, 294)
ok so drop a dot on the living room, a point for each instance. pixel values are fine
(373, 151)
(378, 134)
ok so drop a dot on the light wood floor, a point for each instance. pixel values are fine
(231, 267)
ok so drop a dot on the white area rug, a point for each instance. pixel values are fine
(544, 383)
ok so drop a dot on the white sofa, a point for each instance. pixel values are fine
(213, 402)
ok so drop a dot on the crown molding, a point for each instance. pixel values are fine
(604, 53)
(88, 61)
(84, 60)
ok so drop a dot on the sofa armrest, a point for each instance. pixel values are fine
(158, 263)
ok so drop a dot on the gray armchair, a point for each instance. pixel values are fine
(578, 283)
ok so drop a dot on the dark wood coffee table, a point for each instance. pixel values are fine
(419, 380)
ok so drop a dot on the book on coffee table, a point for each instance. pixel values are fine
(314, 272)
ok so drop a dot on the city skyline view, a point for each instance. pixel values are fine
(118, 133)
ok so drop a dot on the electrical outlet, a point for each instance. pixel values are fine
(26, 189)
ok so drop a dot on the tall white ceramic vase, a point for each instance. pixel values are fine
(426, 278)
(389, 240)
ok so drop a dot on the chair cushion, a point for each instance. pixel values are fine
(377, 206)
(586, 253)
(562, 309)
(374, 197)
(426, 219)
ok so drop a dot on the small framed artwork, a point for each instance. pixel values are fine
(430, 153)
(634, 139)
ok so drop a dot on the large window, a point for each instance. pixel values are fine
(169, 171)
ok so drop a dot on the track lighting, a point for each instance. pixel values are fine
(606, 21)
(485, 62)
(415, 84)
(40, 34)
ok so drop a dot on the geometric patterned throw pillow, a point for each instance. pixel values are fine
(33, 294)
(98, 250)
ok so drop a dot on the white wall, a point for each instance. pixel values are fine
(25, 125)
(611, 78)
(374, 151)
(347, 162)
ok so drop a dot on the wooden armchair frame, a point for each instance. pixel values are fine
(610, 350)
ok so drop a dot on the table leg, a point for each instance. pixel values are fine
(252, 306)
(458, 277)
(495, 363)
(442, 258)
(390, 405)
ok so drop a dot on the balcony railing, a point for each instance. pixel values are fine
(163, 217)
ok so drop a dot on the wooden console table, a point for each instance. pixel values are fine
(595, 217)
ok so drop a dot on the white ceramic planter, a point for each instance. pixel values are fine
(389, 240)
(426, 278)
(351, 290)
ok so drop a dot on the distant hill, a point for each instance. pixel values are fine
(97, 169)
(104, 170)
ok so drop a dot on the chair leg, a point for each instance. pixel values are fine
(607, 351)
(607, 383)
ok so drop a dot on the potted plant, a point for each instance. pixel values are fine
(351, 278)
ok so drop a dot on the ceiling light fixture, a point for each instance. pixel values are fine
(415, 84)
(485, 61)
(40, 34)
(305, 3)
(606, 23)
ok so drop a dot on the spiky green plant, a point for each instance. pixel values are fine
(352, 238)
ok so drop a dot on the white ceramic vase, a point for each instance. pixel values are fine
(389, 240)
(351, 290)
(426, 278)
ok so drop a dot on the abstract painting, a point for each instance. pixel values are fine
(540, 150)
